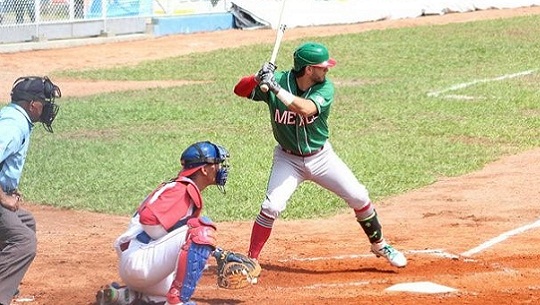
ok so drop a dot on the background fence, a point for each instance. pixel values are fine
(39, 20)
(35, 20)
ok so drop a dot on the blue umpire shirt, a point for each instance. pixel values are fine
(15, 129)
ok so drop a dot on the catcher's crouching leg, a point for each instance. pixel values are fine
(200, 242)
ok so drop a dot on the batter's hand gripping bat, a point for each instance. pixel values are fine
(277, 43)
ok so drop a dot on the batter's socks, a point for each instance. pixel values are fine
(259, 235)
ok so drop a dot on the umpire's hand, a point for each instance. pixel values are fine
(10, 202)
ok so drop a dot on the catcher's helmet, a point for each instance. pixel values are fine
(312, 54)
(201, 153)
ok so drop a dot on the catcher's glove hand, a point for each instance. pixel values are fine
(235, 270)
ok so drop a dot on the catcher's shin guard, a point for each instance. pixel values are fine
(372, 227)
(190, 267)
(192, 259)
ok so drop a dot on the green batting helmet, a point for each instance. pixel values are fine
(312, 54)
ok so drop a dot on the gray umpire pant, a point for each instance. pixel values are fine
(18, 244)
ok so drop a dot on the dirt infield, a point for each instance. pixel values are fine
(477, 233)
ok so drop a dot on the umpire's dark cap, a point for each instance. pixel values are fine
(31, 88)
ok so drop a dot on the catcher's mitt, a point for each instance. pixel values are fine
(235, 270)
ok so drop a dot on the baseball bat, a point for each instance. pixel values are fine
(279, 35)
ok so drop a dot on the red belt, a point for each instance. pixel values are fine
(303, 155)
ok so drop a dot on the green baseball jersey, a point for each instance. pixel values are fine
(299, 134)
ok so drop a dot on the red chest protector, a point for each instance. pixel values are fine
(171, 203)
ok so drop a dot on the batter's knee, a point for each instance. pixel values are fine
(358, 202)
(271, 210)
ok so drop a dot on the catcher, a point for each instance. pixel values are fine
(164, 251)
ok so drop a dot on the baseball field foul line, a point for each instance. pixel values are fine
(501, 238)
(474, 82)
(434, 252)
(315, 286)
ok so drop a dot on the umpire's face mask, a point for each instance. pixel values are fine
(50, 109)
(48, 114)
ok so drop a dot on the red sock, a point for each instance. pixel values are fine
(259, 235)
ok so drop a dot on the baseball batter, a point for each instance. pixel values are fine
(299, 101)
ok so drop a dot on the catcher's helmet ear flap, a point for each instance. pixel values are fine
(312, 54)
(201, 153)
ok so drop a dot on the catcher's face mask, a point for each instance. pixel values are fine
(42, 89)
(223, 171)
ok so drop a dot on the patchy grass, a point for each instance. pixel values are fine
(108, 151)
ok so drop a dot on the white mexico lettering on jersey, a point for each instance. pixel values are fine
(289, 118)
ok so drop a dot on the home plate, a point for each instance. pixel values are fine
(421, 287)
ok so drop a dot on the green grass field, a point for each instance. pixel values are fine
(108, 151)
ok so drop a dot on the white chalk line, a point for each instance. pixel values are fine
(312, 287)
(478, 81)
(434, 252)
(501, 238)
(329, 285)
(461, 97)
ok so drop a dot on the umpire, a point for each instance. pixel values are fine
(32, 100)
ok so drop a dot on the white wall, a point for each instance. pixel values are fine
(326, 12)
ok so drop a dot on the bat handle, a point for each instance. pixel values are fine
(264, 87)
